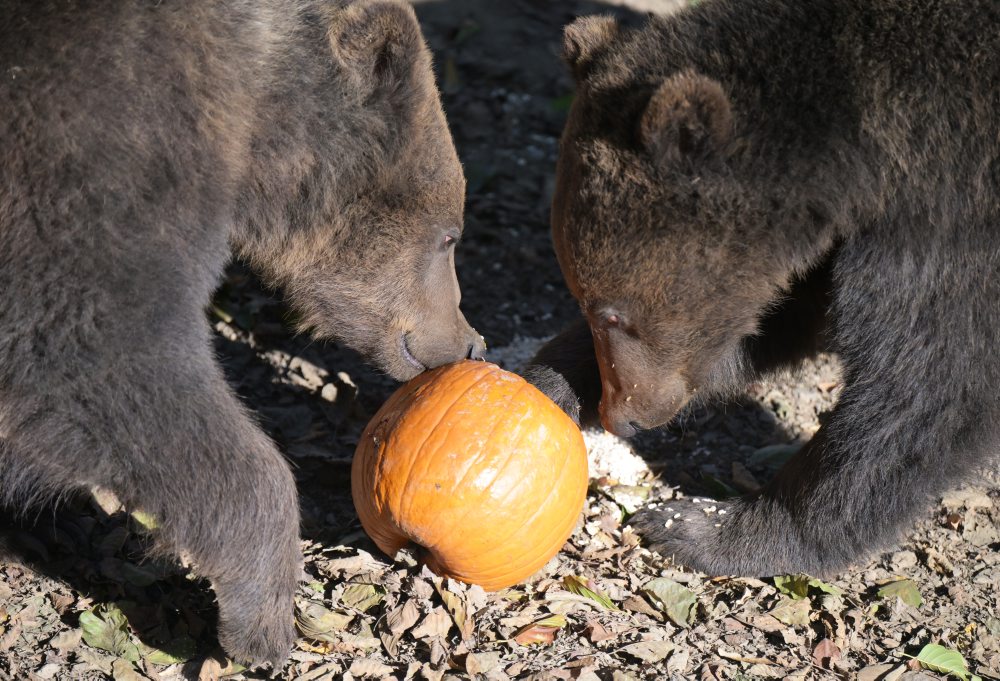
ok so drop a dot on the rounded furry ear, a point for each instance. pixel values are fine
(379, 40)
(688, 117)
(585, 38)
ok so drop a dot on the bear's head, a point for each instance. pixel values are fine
(356, 199)
(660, 222)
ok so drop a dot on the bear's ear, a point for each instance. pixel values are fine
(687, 118)
(585, 38)
(377, 40)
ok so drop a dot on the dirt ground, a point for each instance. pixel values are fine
(85, 603)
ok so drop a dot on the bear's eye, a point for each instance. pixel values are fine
(613, 319)
(451, 239)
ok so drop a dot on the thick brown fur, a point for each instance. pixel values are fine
(142, 143)
(742, 178)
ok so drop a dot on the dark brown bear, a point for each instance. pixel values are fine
(744, 176)
(142, 144)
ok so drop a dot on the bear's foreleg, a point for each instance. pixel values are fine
(566, 370)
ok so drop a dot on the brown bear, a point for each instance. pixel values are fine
(744, 179)
(143, 143)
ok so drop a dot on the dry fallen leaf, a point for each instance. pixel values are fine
(938, 562)
(453, 602)
(729, 655)
(362, 596)
(66, 640)
(122, 670)
(881, 672)
(791, 611)
(481, 663)
(218, 666)
(438, 653)
(797, 586)
(317, 623)
(588, 589)
(712, 673)
(674, 600)
(342, 643)
(649, 651)
(106, 627)
(542, 632)
(825, 654)
(9, 638)
(402, 618)
(767, 624)
(640, 605)
(595, 632)
(60, 602)
(324, 672)
(352, 565)
(431, 673)
(391, 644)
(436, 624)
(366, 667)
(903, 589)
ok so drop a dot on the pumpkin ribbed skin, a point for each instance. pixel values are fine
(477, 467)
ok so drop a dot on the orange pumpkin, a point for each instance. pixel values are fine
(476, 468)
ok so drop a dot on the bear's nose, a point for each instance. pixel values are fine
(618, 426)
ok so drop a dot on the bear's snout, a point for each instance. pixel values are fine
(628, 407)
(431, 345)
